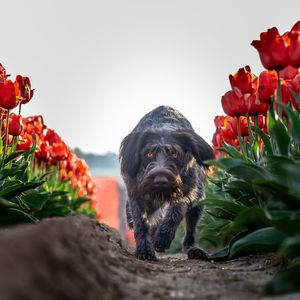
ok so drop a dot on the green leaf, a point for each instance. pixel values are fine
(252, 218)
(223, 254)
(291, 245)
(16, 188)
(12, 156)
(36, 200)
(278, 132)
(230, 150)
(266, 139)
(260, 241)
(7, 204)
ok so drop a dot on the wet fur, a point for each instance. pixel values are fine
(176, 151)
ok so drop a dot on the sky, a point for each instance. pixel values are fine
(98, 66)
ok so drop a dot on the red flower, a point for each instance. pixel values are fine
(233, 103)
(272, 49)
(52, 137)
(3, 75)
(267, 85)
(43, 153)
(25, 142)
(296, 82)
(15, 125)
(286, 95)
(58, 152)
(294, 46)
(8, 98)
(34, 125)
(244, 80)
(23, 88)
(288, 72)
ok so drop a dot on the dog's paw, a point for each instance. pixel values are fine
(145, 254)
(197, 253)
(162, 242)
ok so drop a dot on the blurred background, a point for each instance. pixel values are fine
(98, 66)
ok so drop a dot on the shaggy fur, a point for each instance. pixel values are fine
(162, 166)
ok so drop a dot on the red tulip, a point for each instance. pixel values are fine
(267, 85)
(288, 72)
(8, 98)
(294, 46)
(23, 88)
(58, 152)
(244, 80)
(233, 103)
(3, 75)
(286, 95)
(296, 83)
(255, 107)
(52, 137)
(43, 152)
(272, 49)
(15, 125)
(25, 142)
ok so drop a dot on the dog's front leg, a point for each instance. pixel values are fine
(165, 233)
(144, 248)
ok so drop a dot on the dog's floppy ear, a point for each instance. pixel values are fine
(130, 150)
(128, 155)
(195, 144)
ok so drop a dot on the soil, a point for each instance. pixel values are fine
(78, 258)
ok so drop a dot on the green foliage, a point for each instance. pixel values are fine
(27, 195)
(254, 197)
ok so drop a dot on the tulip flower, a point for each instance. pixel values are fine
(8, 98)
(3, 75)
(272, 49)
(15, 125)
(267, 85)
(23, 88)
(288, 72)
(286, 95)
(25, 142)
(43, 152)
(294, 46)
(244, 80)
(233, 103)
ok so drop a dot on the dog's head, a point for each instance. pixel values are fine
(157, 159)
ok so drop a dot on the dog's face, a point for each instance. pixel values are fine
(158, 160)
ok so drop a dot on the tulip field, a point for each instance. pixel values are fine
(40, 176)
(252, 198)
(252, 202)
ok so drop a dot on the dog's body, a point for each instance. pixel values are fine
(162, 166)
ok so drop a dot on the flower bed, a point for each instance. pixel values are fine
(40, 176)
(252, 202)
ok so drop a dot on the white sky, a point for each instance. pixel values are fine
(99, 66)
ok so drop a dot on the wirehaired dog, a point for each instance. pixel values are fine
(162, 166)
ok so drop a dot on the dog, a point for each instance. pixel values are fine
(163, 167)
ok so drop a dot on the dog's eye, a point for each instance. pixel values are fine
(149, 155)
(174, 154)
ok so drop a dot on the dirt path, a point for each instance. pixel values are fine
(77, 258)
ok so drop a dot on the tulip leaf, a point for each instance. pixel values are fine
(262, 240)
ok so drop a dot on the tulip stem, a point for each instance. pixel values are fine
(240, 136)
(20, 105)
(279, 96)
(6, 139)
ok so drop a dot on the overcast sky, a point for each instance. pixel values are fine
(99, 66)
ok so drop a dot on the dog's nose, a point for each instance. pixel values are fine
(160, 181)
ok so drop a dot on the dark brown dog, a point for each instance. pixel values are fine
(162, 166)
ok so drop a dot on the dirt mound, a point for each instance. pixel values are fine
(78, 258)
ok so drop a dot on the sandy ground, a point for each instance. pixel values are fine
(78, 258)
